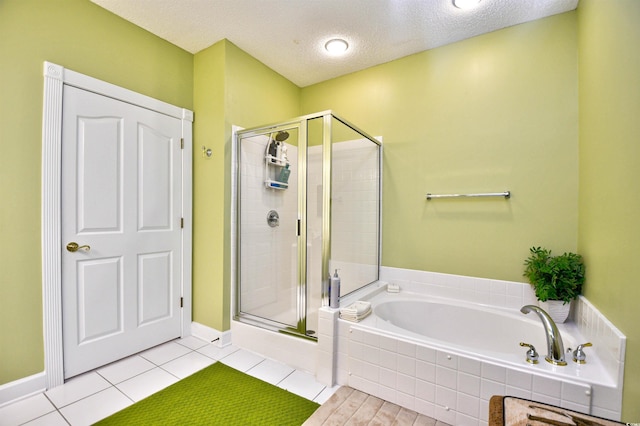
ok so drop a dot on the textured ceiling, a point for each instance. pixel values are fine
(289, 35)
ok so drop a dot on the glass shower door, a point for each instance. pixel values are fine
(308, 203)
(268, 228)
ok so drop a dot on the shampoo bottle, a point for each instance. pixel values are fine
(334, 291)
(284, 174)
(272, 151)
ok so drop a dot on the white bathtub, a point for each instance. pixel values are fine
(472, 329)
(445, 358)
(482, 332)
(490, 333)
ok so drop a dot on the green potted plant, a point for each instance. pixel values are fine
(557, 280)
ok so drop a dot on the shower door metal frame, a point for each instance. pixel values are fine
(327, 163)
(301, 268)
(300, 123)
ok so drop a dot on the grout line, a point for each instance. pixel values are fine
(56, 409)
(318, 394)
(285, 378)
(84, 397)
(247, 372)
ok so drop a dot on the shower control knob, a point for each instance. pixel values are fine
(532, 355)
(578, 355)
(273, 218)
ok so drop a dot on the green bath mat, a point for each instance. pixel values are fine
(217, 395)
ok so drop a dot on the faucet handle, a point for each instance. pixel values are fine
(578, 355)
(532, 355)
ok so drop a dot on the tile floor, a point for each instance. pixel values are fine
(92, 396)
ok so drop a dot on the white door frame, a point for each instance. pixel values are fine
(55, 77)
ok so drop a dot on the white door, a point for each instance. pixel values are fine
(121, 204)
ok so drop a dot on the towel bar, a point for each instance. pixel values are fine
(505, 194)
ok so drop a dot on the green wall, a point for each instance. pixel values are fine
(609, 236)
(493, 113)
(83, 37)
(230, 88)
(506, 110)
(209, 294)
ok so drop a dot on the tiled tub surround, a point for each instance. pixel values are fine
(455, 385)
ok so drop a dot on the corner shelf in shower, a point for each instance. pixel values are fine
(272, 166)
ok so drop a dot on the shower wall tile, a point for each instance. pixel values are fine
(519, 380)
(470, 366)
(469, 406)
(488, 388)
(576, 393)
(445, 359)
(494, 372)
(517, 392)
(446, 397)
(546, 386)
(446, 377)
(388, 378)
(484, 412)
(426, 371)
(463, 420)
(407, 364)
(407, 348)
(406, 400)
(424, 353)
(406, 384)
(327, 346)
(468, 384)
(388, 359)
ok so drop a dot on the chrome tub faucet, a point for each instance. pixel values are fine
(555, 347)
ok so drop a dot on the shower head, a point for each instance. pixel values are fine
(282, 135)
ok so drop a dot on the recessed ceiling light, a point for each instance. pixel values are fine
(336, 46)
(465, 4)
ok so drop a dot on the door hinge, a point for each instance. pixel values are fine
(181, 222)
(181, 302)
(181, 143)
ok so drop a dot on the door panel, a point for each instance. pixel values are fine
(155, 179)
(154, 287)
(99, 298)
(121, 197)
(99, 166)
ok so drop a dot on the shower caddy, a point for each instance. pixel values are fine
(274, 166)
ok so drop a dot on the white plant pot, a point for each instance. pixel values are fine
(557, 310)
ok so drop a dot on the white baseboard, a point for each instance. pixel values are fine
(31, 385)
(222, 338)
(22, 388)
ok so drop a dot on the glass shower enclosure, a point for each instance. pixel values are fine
(308, 203)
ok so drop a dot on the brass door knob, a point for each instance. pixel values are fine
(73, 247)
